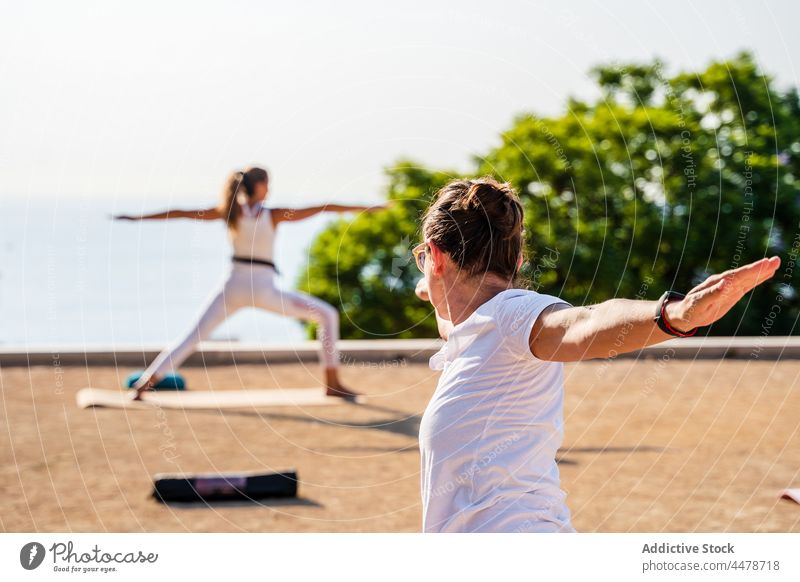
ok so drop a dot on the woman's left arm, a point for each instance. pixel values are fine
(293, 214)
(617, 326)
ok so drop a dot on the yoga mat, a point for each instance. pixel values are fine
(208, 399)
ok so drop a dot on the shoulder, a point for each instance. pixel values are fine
(518, 311)
(520, 303)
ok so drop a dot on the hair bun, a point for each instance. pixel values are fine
(478, 223)
(499, 203)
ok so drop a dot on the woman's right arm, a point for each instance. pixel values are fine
(618, 326)
(201, 214)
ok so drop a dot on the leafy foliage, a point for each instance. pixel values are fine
(655, 185)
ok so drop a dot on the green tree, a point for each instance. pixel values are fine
(654, 185)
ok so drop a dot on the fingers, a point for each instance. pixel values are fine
(744, 279)
(769, 267)
(716, 296)
(749, 275)
(755, 273)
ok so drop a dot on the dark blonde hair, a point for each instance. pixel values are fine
(479, 224)
(239, 182)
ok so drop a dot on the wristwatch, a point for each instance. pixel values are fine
(661, 317)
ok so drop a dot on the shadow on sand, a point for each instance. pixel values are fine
(408, 425)
(243, 503)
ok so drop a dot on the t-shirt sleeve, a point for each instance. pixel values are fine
(518, 315)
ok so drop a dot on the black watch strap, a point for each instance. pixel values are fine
(661, 320)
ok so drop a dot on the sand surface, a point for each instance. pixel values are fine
(650, 446)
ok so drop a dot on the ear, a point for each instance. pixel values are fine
(439, 259)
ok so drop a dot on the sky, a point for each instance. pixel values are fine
(158, 101)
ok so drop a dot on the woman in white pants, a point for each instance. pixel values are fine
(489, 436)
(251, 282)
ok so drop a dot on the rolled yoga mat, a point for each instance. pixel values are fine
(171, 381)
(183, 487)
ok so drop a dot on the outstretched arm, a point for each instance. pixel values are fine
(293, 214)
(567, 334)
(201, 214)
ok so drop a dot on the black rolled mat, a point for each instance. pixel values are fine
(224, 486)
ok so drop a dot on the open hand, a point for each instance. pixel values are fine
(715, 296)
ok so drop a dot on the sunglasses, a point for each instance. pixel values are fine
(419, 253)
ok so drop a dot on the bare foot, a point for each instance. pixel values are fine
(140, 390)
(341, 392)
(334, 386)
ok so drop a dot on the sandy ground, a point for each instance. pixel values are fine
(650, 446)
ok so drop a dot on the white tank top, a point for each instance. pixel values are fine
(254, 235)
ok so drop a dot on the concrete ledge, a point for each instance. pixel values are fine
(417, 350)
(742, 348)
(219, 353)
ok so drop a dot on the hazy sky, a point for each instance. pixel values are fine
(161, 99)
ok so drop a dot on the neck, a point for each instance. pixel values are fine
(464, 295)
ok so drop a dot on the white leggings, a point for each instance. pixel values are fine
(253, 286)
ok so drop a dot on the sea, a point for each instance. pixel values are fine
(72, 276)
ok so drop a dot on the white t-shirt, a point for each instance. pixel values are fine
(489, 436)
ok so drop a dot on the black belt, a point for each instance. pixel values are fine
(251, 261)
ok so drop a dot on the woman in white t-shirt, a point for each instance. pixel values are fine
(490, 433)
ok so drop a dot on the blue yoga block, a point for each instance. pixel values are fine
(168, 382)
